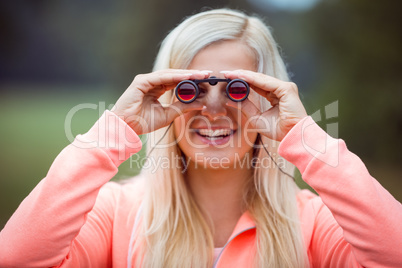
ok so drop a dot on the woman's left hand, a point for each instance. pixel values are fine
(287, 109)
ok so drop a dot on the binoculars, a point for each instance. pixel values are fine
(187, 91)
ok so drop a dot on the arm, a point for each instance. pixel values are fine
(41, 232)
(368, 215)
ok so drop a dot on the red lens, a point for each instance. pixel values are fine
(237, 91)
(186, 92)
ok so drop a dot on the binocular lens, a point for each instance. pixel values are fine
(237, 91)
(186, 92)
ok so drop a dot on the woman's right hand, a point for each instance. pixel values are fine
(139, 107)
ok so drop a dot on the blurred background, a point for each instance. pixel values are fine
(57, 55)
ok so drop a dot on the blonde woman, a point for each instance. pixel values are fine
(219, 192)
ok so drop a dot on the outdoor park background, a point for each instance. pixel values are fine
(55, 55)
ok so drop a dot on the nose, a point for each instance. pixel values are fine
(214, 103)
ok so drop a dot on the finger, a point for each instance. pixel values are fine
(267, 123)
(195, 74)
(270, 96)
(147, 82)
(178, 108)
(263, 123)
(165, 79)
(259, 80)
(248, 108)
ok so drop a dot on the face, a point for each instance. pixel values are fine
(217, 136)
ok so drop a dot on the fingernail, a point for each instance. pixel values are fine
(224, 72)
(189, 74)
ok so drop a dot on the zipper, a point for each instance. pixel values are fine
(227, 243)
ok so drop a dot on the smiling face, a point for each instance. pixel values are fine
(217, 134)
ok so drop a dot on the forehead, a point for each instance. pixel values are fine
(224, 56)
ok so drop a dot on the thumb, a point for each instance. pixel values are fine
(248, 108)
(178, 108)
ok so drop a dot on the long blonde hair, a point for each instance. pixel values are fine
(173, 231)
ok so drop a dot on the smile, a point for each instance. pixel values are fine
(216, 134)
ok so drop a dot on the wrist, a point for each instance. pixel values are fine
(113, 135)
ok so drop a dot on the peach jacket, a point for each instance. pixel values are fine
(75, 217)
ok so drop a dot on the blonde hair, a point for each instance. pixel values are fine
(173, 231)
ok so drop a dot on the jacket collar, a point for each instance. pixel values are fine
(233, 253)
(245, 222)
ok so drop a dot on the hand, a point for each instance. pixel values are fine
(139, 105)
(287, 109)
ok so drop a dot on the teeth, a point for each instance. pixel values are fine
(215, 133)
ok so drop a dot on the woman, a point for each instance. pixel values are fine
(211, 200)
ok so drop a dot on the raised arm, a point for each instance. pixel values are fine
(361, 226)
(42, 230)
(368, 216)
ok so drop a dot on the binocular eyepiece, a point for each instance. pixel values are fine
(236, 90)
